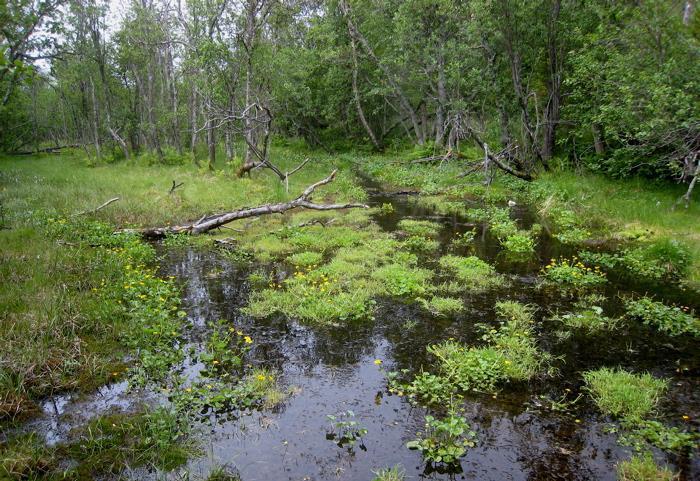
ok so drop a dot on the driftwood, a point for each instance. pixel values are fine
(210, 222)
(100, 207)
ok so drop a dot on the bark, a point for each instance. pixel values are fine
(356, 94)
(95, 121)
(208, 223)
(441, 101)
(211, 142)
(193, 125)
(403, 99)
(598, 139)
(688, 11)
(552, 113)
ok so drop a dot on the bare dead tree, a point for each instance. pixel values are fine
(210, 222)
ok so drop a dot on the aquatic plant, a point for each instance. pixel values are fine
(425, 389)
(640, 434)
(573, 274)
(471, 272)
(420, 228)
(623, 394)
(444, 441)
(400, 280)
(643, 468)
(589, 319)
(520, 243)
(442, 306)
(395, 473)
(674, 321)
(225, 348)
(344, 430)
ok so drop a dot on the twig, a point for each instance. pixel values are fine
(97, 208)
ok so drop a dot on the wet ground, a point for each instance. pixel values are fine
(332, 370)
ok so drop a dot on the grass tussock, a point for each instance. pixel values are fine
(643, 468)
(623, 394)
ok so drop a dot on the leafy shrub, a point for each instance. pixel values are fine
(444, 441)
(623, 394)
(674, 321)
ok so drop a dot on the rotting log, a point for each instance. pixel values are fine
(209, 222)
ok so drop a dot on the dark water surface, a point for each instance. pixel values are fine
(333, 370)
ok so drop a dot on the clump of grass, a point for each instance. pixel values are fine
(26, 457)
(110, 443)
(674, 321)
(442, 306)
(623, 394)
(400, 280)
(643, 468)
(663, 258)
(471, 272)
(395, 473)
(420, 244)
(304, 259)
(221, 473)
(420, 228)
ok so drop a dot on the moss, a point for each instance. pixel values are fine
(623, 394)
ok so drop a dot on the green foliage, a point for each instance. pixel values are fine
(572, 274)
(674, 321)
(444, 440)
(305, 259)
(643, 468)
(421, 228)
(344, 430)
(395, 473)
(425, 389)
(225, 348)
(403, 281)
(442, 306)
(471, 272)
(623, 394)
(520, 244)
(641, 434)
(589, 319)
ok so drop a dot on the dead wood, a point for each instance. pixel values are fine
(210, 222)
(175, 186)
(100, 207)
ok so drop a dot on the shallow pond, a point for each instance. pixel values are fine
(333, 370)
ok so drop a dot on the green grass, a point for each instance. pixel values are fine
(471, 273)
(623, 394)
(643, 468)
(631, 207)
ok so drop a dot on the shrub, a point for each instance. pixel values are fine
(623, 394)
(674, 321)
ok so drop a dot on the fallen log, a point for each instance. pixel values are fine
(210, 222)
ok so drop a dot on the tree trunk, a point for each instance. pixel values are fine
(554, 84)
(598, 139)
(95, 121)
(441, 101)
(193, 125)
(356, 94)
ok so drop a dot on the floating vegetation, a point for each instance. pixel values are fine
(345, 430)
(588, 319)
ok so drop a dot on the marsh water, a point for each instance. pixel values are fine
(333, 369)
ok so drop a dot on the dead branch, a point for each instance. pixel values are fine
(207, 223)
(175, 186)
(97, 208)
